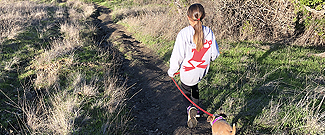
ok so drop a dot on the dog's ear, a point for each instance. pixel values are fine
(209, 119)
(223, 115)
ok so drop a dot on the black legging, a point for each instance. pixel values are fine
(192, 92)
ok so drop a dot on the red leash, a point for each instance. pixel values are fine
(189, 98)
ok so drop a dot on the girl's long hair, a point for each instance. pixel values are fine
(196, 13)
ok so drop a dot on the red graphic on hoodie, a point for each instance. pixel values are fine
(197, 57)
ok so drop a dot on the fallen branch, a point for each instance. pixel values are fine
(321, 12)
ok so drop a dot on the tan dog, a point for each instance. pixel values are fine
(220, 126)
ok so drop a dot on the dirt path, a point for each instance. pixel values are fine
(157, 107)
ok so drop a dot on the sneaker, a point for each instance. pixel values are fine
(188, 109)
(191, 121)
(199, 113)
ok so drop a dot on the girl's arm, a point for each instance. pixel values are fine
(215, 49)
(177, 57)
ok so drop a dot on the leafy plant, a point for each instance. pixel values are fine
(316, 4)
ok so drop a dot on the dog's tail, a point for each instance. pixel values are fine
(233, 132)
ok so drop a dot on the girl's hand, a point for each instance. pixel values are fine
(176, 74)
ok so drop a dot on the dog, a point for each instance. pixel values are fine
(220, 126)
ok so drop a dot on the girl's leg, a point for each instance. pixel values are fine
(192, 92)
(187, 90)
(195, 94)
(191, 110)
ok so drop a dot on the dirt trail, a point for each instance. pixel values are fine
(157, 107)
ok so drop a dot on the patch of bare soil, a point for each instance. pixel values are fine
(157, 105)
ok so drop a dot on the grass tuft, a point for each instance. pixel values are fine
(54, 78)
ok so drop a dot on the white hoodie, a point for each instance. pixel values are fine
(193, 65)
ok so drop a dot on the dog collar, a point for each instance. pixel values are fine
(219, 118)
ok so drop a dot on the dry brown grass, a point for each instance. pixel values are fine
(47, 69)
(55, 109)
(56, 112)
(56, 115)
(303, 115)
(71, 30)
(47, 64)
(87, 10)
(116, 104)
(15, 16)
(251, 20)
(10, 63)
(153, 20)
(267, 21)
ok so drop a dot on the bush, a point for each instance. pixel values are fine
(315, 4)
(267, 21)
(310, 22)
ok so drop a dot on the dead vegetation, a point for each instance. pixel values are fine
(40, 44)
(267, 21)
(307, 109)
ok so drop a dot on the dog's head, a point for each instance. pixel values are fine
(221, 127)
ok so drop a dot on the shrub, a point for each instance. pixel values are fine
(268, 21)
(315, 4)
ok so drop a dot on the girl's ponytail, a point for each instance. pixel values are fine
(198, 36)
(196, 13)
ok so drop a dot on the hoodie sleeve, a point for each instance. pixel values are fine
(177, 56)
(215, 49)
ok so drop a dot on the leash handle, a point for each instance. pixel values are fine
(189, 98)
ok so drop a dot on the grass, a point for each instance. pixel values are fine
(264, 87)
(161, 45)
(114, 4)
(54, 77)
(247, 82)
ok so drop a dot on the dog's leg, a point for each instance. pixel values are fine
(233, 132)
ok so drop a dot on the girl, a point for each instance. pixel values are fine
(194, 48)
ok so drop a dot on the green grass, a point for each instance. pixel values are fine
(247, 78)
(250, 78)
